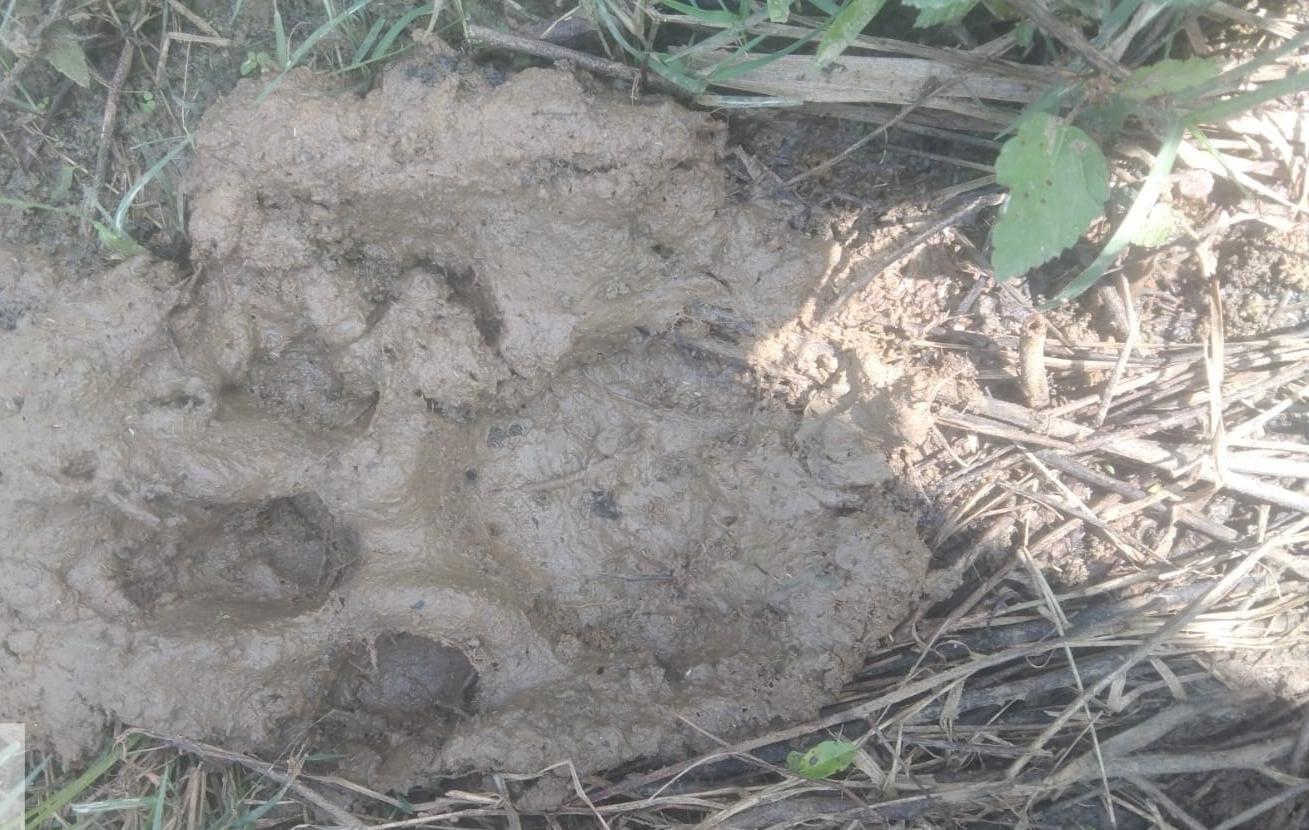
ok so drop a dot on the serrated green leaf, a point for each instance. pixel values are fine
(1146, 198)
(1168, 77)
(779, 10)
(938, 12)
(823, 760)
(1161, 227)
(1058, 182)
(64, 52)
(847, 25)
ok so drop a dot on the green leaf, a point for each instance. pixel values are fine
(779, 10)
(938, 12)
(65, 53)
(848, 24)
(1058, 182)
(1146, 198)
(1168, 77)
(826, 759)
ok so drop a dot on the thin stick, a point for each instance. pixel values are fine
(289, 779)
(1214, 358)
(860, 711)
(904, 112)
(1184, 515)
(551, 51)
(1040, 14)
(1194, 609)
(92, 192)
(1175, 810)
(1129, 344)
(899, 252)
(1164, 459)
(1262, 807)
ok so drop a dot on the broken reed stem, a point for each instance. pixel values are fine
(1167, 630)
(1007, 420)
(289, 778)
(1031, 363)
(1039, 13)
(1129, 345)
(947, 219)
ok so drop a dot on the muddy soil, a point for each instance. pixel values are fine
(487, 431)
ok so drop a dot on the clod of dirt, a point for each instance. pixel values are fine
(490, 432)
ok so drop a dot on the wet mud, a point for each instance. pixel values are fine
(485, 432)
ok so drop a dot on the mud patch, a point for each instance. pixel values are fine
(489, 432)
(277, 557)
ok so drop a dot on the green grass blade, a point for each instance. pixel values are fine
(70, 791)
(23, 204)
(736, 70)
(1235, 74)
(6, 799)
(1151, 190)
(369, 39)
(709, 16)
(9, 10)
(848, 24)
(669, 70)
(746, 102)
(737, 29)
(161, 798)
(384, 45)
(283, 46)
(310, 42)
(325, 30)
(1231, 107)
(262, 810)
(109, 805)
(125, 203)
(1118, 17)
